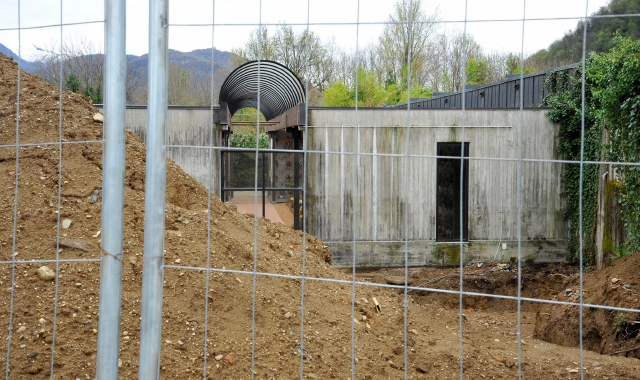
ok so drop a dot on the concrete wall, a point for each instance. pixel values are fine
(371, 184)
(188, 141)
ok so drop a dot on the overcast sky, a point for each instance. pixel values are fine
(495, 24)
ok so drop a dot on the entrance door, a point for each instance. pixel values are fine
(449, 193)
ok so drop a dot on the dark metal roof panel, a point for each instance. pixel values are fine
(503, 94)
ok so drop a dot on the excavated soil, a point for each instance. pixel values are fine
(609, 332)
(540, 281)
(208, 317)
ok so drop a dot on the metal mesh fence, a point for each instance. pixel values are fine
(40, 201)
(207, 292)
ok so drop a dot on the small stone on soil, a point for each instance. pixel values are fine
(45, 273)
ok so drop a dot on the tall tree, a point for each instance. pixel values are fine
(304, 53)
(405, 42)
(189, 87)
(454, 51)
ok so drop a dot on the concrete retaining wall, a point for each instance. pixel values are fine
(380, 197)
(188, 141)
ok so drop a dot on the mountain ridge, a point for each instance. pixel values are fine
(198, 59)
(24, 64)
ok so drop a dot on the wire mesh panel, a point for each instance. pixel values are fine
(460, 241)
(51, 147)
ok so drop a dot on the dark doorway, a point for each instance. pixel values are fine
(449, 193)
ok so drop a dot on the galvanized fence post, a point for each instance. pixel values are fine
(152, 273)
(112, 190)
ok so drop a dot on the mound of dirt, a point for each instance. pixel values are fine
(604, 331)
(224, 321)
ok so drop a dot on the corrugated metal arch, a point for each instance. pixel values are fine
(280, 88)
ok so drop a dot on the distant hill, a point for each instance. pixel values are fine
(600, 32)
(25, 65)
(198, 60)
(189, 74)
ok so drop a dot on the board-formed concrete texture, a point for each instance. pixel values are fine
(189, 141)
(378, 254)
(375, 191)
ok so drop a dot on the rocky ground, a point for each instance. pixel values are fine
(211, 316)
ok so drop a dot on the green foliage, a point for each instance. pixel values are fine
(600, 31)
(516, 70)
(248, 140)
(617, 95)
(566, 103)
(94, 94)
(338, 95)
(73, 83)
(397, 95)
(477, 71)
(612, 100)
(243, 164)
(248, 114)
(513, 64)
(371, 92)
(622, 321)
(620, 252)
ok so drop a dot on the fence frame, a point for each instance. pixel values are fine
(155, 189)
(111, 254)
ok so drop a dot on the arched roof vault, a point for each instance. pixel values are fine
(280, 89)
